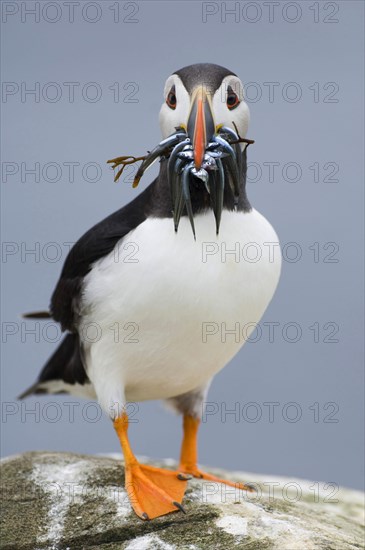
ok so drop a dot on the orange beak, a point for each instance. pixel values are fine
(200, 124)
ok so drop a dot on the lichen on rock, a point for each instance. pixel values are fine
(59, 501)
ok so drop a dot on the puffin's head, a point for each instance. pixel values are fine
(201, 99)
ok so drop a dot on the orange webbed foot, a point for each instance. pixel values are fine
(189, 456)
(154, 492)
(199, 474)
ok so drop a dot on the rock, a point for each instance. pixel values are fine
(65, 501)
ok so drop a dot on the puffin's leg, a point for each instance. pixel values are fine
(190, 405)
(189, 455)
(152, 492)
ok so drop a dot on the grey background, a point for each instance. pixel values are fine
(166, 37)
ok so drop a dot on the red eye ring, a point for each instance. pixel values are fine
(171, 98)
(232, 100)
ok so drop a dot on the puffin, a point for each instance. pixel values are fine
(159, 296)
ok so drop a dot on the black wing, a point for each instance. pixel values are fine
(65, 365)
(93, 245)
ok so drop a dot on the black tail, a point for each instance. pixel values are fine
(65, 365)
(37, 315)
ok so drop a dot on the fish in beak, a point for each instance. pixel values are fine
(198, 150)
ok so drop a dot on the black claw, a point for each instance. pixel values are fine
(178, 505)
(184, 477)
(250, 487)
(145, 516)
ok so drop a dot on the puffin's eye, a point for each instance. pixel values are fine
(232, 99)
(171, 98)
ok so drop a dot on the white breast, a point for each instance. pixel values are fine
(157, 310)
